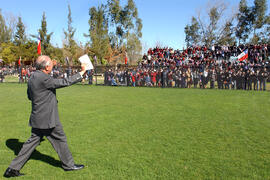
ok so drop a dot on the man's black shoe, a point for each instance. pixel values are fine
(75, 167)
(12, 173)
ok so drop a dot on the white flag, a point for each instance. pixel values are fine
(86, 60)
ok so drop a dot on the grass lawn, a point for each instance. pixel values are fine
(145, 133)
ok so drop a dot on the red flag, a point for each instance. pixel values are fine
(39, 47)
(243, 55)
(126, 59)
(19, 61)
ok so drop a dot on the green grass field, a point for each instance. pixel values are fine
(145, 133)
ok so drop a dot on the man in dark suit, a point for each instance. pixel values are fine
(44, 118)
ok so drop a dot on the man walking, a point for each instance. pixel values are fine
(44, 118)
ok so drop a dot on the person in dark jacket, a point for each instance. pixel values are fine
(44, 118)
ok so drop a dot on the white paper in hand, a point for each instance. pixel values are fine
(86, 60)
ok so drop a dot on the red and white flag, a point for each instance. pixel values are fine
(243, 56)
(39, 47)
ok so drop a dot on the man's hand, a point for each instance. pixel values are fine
(83, 67)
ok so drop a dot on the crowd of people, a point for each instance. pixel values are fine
(23, 73)
(6, 70)
(235, 77)
(198, 67)
(194, 67)
(168, 56)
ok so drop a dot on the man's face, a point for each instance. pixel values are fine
(49, 67)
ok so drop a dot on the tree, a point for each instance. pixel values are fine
(226, 36)
(98, 32)
(267, 35)
(5, 31)
(29, 50)
(259, 11)
(188, 38)
(11, 22)
(126, 23)
(56, 53)
(211, 26)
(134, 48)
(20, 37)
(8, 52)
(192, 32)
(69, 42)
(259, 18)
(211, 29)
(44, 37)
(244, 18)
(116, 18)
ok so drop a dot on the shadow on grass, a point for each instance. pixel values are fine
(16, 146)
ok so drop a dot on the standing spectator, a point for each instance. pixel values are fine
(2, 77)
(148, 80)
(133, 77)
(212, 79)
(226, 80)
(106, 78)
(243, 80)
(254, 80)
(196, 78)
(159, 78)
(183, 79)
(189, 78)
(23, 75)
(249, 80)
(153, 77)
(170, 79)
(233, 80)
(165, 77)
(219, 79)
(127, 77)
(109, 79)
(223, 80)
(205, 78)
(265, 76)
(90, 77)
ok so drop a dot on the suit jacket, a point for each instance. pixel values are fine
(41, 91)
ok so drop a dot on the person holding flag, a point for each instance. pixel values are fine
(44, 118)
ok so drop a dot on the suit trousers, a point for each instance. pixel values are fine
(57, 138)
